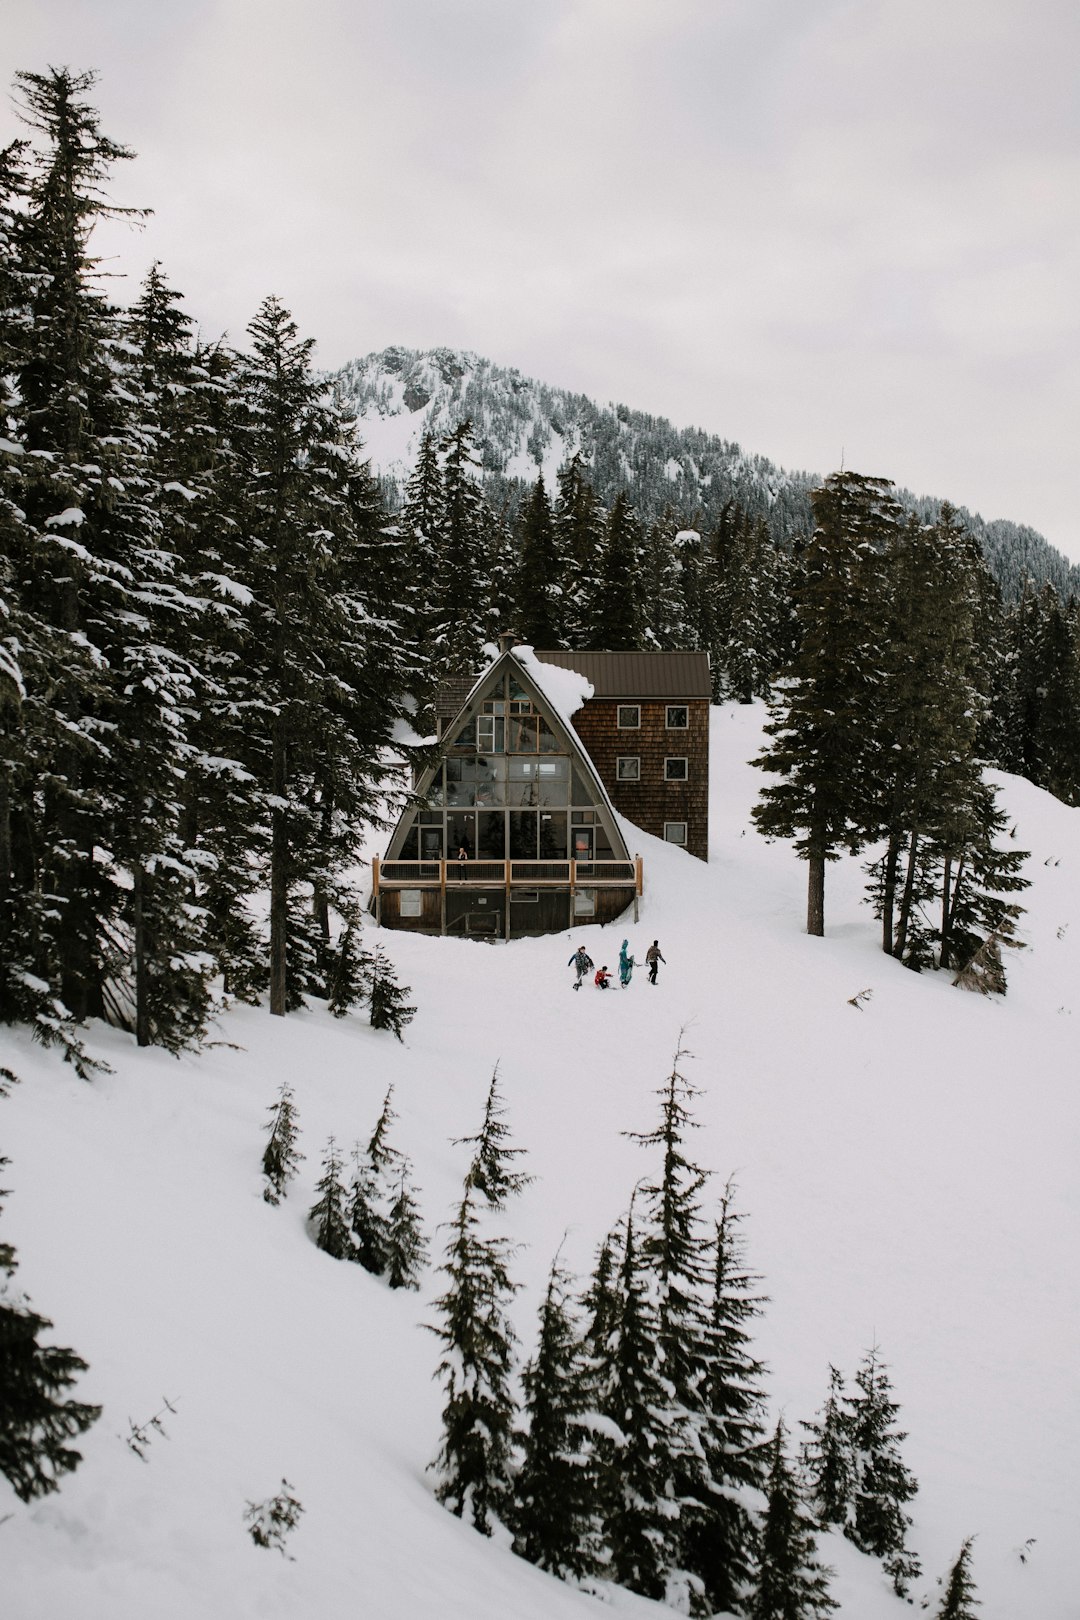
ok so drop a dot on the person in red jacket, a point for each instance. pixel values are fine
(603, 978)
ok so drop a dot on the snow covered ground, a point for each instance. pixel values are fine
(908, 1171)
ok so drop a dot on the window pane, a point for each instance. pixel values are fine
(549, 743)
(627, 768)
(675, 832)
(522, 736)
(410, 849)
(583, 793)
(411, 903)
(491, 835)
(467, 737)
(584, 902)
(677, 716)
(552, 837)
(629, 716)
(523, 835)
(460, 835)
(675, 770)
(431, 843)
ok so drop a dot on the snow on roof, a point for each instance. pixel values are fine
(565, 689)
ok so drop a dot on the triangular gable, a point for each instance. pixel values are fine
(526, 677)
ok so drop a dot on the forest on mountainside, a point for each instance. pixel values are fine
(683, 476)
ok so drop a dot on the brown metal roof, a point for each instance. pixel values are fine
(638, 674)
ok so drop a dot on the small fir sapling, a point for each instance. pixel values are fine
(370, 1194)
(140, 1435)
(883, 1484)
(959, 1601)
(491, 1172)
(473, 1465)
(35, 1420)
(406, 1245)
(389, 1008)
(269, 1522)
(555, 1504)
(791, 1583)
(282, 1158)
(350, 975)
(829, 1458)
(327, 1215)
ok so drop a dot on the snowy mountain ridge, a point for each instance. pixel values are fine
(906, 1163)
(525, 427)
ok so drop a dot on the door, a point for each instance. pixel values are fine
(582, 844)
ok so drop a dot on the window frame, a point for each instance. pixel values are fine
(407, 898)
(677, 759)
(627, 725)
(584, 902)
(675, 725)
(628, 759)
(679, 843)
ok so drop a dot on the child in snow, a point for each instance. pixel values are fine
(626, 964)
(581, 962)
(603, 978)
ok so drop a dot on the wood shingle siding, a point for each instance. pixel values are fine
(652, 801)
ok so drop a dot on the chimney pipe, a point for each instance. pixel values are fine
(507, 640)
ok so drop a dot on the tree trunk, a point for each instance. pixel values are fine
(943, 956)
(142, 978)
(279, 878)
(888, 893)
(905, 904)
(815, 896)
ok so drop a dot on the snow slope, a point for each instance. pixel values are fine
(908, 1169)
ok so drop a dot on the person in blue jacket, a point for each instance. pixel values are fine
(581, 962)
(626, 964)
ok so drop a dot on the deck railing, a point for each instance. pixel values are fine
(504, 874)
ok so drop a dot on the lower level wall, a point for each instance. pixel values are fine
(481, 913)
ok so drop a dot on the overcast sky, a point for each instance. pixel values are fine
(824, 228)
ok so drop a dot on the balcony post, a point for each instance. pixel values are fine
(442, 897)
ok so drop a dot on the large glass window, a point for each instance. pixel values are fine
(552, 836)
(538, 781)
(475, 780)
(522, 734)
(523, 835)
(460, 834)
(491, 835)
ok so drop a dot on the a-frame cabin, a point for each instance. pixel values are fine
(511, 831)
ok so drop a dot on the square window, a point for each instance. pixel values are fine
(676, 770)
(628, 768)
(412, 903)
(629, 717)
(678, 717)
(584, 903)
(675, 832)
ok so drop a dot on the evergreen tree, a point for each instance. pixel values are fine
(327, 1216)
(476, 1367)
(463, 618)
(825, 727)
(554, 1502)
(281, 1157)
(725, 1540)
(883, 1485)
(959, 1601)
(829, 1458)
(389, 1009)
(615, 621)
(492, 1172)
(791, 1584)
(662, 605)
(376, 1170)
(978, 914)
(642, 1531)
(539, 593)
(579, 533)
(406, 1245)
(39, 1419)
(322, 672)
(675, 1249)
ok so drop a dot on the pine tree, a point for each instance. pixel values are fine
(463, 618)
(829, 1458)
(615, 614)
(406, 1245)
(554, 1501)
(376, 1170)
(791, 1584)
(39, 1420)
(579, 532)
(675, 1249)
(959, 1601)
(476, 1367)
(281, 1158)
(723, 1548)
(492, 1172)
(825, 727)
(539, 592)
(883, 1485)
(642, 1530)
(389, 1009)
(327, 1216)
